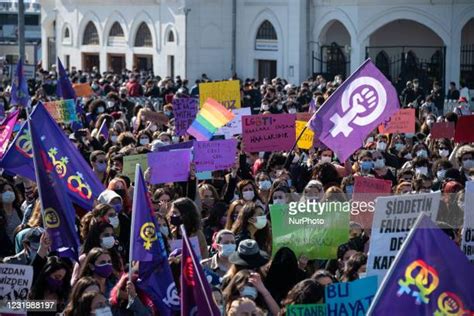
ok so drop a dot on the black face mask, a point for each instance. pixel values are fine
(176, 221)
(218, 184)
(121, 192)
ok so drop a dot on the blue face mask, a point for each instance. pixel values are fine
(349, 189)
(367, 165)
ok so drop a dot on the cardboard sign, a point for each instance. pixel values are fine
(306, 309)
(15, 284)
(394, 216)
(184, 111)
(226, 93)
(62, 111)
(156, 117)
(306, 140)
(83, 90)
(401, 122)
(464, 129)
(178, 244)
(350, 298)
(169, 166)
(234, 127)
(315, 233)
(442, 130)
(215, 155)
(467, 243)
(129, 163)
(268, 132)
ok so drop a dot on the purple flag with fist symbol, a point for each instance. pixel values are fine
(366, 99)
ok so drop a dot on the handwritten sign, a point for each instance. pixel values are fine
(226, 93)
(15, 285)
(442, 130)
(306, 140)
(129, 163)
(268, 132)
(394, 217)
(234, 127)
(366, 190)
(465, 129)
(215, 155)
(83, 90)
(401, 122)
(350, 298)
(169, 166)
(184, 111)
(156, 117)
(62, 111)
(316, 233)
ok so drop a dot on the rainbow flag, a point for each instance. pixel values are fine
(210, 118)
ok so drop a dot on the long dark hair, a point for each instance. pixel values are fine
(189, 215)
(77, 291)
(354, 263)
(40, 286)
(262, 236)
(84, 304)
(91, 258)
(305, 292)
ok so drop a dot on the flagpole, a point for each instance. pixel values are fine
(201, 282)
(38, 186)
(134, 212)
(395, 262)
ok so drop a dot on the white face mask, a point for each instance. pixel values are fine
(381, 146)
(113, 138)
(144, 141)
(175, 139)
(104, 311)
(261, 222)
(265, 107)
(100, 110)
(114, 221)
(379, 163)
(248, 195)
(362, 275)
(324, 159)
(264, 185)
(153, 128)
(107, 242)
(279, 107)
(292, 110)
(440, 174)
(443, 153)
(422, 153)
(249, 291)
(468, 164)
(110, 104)
(421, 170)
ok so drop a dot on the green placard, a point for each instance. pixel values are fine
(129, 163)
(306, 310)
(313, 234)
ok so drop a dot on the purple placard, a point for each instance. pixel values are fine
(183, 145)
(215, 155)
(184, 111)
(268, 132)
(169, 166)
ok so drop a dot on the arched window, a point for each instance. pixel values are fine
(143, 36)
(91, 36)
(382, 62)
(170, 37)
(116, 30)
(336, 60)
(267, 38)
(67, 33)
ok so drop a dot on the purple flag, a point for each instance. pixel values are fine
(358, 106)
(147, 247)
(184, 111)
(196, 297)
(82, 183)
(19, 93)
(104, 130)
(64, 89)
(58, 211)
(6, 130)
(430, 276)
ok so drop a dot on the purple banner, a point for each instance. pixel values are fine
(184, 111)
(169, 166)
(366, 99)
(215, 155)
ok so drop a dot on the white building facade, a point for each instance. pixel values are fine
(427, 39)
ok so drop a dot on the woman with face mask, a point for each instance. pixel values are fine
(99, 264)
(355, 267)
(101, 235)
(247, 191)
(10, 216)
(279, 194)
(184, 211)
(92, 303)
(252, 223)
(381, 170)
(264, 185)
(52, 283)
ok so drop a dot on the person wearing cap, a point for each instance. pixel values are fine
(224, 242)
(464, 159)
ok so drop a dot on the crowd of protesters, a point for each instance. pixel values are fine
(228, 214)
